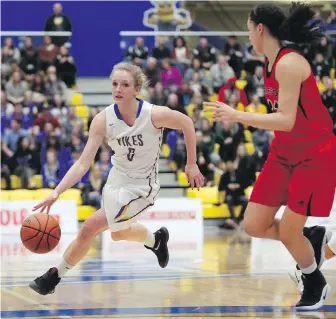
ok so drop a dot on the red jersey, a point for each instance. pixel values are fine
(313, 126)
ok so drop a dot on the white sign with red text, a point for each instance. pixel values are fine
(183, 217)
(13, 213)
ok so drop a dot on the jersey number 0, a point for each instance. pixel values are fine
(130, 154)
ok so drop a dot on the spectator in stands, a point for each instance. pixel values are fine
(12, 136)
(26, 119)
(58, 108)
(246, 165)
(170, 75)
(261, 140)
(203, 158)
(92, 192)
(220, 72)
(51, 170)
(138, 53)
(185, 94)
(29, 63)
(181, 54)
(152, 72)
(46, 117)
(104, 163)
(21, 163)
(76, 143)
(9, 55)
(173, 103)
(70, 124)
(209, 140)
(255, 106)
(229, 135)
(253, 59)
(230, 89)
(255, 83)
(196, 67)
(160, 51)
(232, 183)
(58, 22)
(15, 88)
(47, 53)
(233, 51)
(325, 47)
(332, 17)
(320, 66)
(205, 53)
(66, 67)
(54, 86)
(5, 171)
(38, 84)
(158, 97)
(6, 110)
(178, 153)
(329, 100)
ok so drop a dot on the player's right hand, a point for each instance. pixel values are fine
(47, 203)
(195, 177)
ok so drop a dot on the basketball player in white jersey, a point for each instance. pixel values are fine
(133, 129)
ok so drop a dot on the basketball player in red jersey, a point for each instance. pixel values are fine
(300, 170)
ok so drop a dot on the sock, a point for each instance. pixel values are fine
(63, 268)
(150, 239)
(309, 270)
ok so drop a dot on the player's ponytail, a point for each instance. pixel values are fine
(297, 27)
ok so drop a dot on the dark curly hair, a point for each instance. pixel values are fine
(297, 27)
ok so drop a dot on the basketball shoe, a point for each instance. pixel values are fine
(315, 291)
(46, 284)
(160, 248)
(319, 236)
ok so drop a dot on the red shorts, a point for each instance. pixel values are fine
(307, 187)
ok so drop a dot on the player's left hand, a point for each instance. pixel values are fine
(222, 111)
(195, 178)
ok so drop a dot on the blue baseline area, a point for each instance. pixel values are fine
(153, 311)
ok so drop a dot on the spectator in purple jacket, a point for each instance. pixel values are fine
(171, 75)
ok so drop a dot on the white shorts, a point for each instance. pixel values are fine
(124, 198)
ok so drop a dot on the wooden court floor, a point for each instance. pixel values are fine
(223, 276)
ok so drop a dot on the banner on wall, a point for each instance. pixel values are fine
(13, 213)
(182, 216)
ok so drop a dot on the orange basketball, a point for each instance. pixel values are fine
(40, 233)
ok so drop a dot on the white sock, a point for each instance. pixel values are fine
(309, 269)
(332, 243)
(63, 268)
(150, 239)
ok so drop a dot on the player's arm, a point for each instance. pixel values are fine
(82, 165)
(289, 74)
(163, 116)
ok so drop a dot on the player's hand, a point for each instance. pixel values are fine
(195, 178)
(47, 203)
(222, 111)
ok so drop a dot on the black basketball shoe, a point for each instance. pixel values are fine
(319, 236)
(315, 291)
(160, 248)
(46, 284)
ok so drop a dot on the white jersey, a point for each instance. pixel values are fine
(136, 148)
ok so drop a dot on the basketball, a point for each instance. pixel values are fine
(40, 233)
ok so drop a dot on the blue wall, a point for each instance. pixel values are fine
(96, 27)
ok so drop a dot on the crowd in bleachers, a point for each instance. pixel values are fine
(43, 134)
